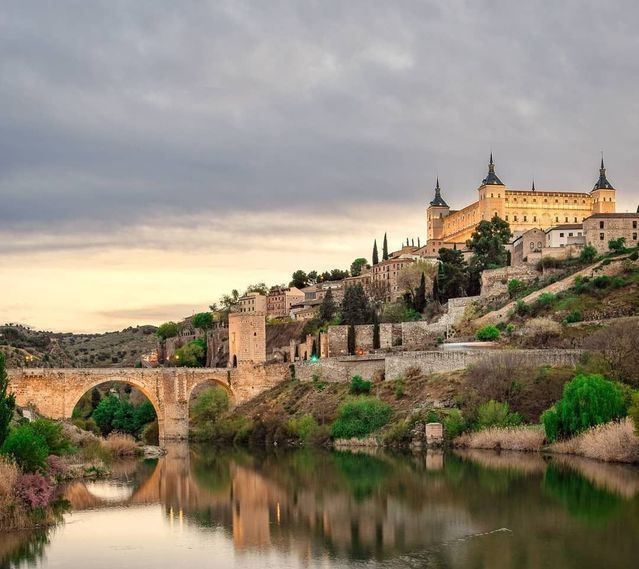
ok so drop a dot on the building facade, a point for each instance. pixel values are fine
(280, 300)
(601, 228)
(247, 338)
(522, 209)
(252, 302)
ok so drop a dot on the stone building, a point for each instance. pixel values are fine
(565, 234)
(601, 228)
(252, 302)
(247, 338)
(279, 301)
(385, 274)
(522, 209)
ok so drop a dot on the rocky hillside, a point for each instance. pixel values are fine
(25, 346)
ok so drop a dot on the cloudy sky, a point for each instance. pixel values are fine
(155, 154)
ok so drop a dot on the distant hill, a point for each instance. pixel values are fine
(22, 344)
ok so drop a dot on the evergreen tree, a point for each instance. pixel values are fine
(350, 340)
(488, 243)
(375, 253)
(7, 402)
(314, 353)
(355, 306)
(452, 277)
(385, 249)
(328, 307)
(376, 341)
(420, 295)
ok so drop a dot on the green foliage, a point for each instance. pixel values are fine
(53, 434)
(454, 424)
(357, 265)
(399, 311)
(299, 279)
(633, 412)
(510, 328)
(361, 417)
(27, 447)
(634, 255)
(488, 243)
(588, 400)
(167, 330)
(488, 333)
(375, 253)
(385, 249)
(574, 316)
(359, 386)
(515, 287)
(400, 385)
(588, 254)
(209, 405)
(192, 355)
(105, 412)
(376, 339)
(496, 414)
(115, 414)
(545, 300)
(203, 320)
(617, 245)
(420, 295)
(303, 428)
(350, 340)
(452, 276)
(7, 401)
(355, 306)
(521, 308)
(328, 308)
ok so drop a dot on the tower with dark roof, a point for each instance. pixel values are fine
(492, 195)
(491, 179)
(603, 194)
(437, 211)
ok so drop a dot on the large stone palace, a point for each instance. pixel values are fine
(522, 209)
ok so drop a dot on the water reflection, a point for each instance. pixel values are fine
(336, 509)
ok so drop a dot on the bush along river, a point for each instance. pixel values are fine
(205, 507)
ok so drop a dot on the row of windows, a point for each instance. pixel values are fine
(534, 219)
(546, 200)
(602, 236)
(601, 225)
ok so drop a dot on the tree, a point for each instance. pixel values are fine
(260, 288)
(328, 307)
(299, 279)
(375, 253)
(7, 401)
(357, 265)
(228, 301)
(617, 245)
(410, 277)
(312, 277)
(588, 254)
(192, 355)
(355, 307)
(167, 330)
(338, 275)
(105, 412)
(452, 277)
(350, 340)
(203, 320)
(588, 400)
(376, 339)
(385, 249)
(420, 295)
(488, 243)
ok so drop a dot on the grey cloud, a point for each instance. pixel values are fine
(114, 111)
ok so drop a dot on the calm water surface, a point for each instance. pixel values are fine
(200, 507)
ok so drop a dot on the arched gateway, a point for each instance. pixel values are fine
(54, 392)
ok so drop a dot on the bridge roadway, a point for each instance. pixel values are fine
(54, 393)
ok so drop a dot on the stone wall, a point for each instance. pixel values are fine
(337, 341)
(340, 369)
(445, 361)
(420, 335)
(494, 282)
(247, 337)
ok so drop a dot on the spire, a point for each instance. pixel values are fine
(602, 183)
(533, 186)
(438, 200)
(491, 179)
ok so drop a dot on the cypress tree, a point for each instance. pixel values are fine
(7, 402)
(328, 307)
(314, 349)
(385, 249)
(375, 253)
(376, 342)
(350, 340)
(420, 296)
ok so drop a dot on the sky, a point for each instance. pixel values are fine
(157, 154)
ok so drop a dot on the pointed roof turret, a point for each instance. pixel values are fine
(438, 200)
(491, 179)
(533, 186)
(602, 183)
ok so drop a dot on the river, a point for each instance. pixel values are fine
(203, 507)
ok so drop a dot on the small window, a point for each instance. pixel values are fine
(601, 225)
(515, 218)
(601, 237)
(534, 218)
(634, 236)
(506, 218)
(561, 234)
(634, 225)
(570, 234)
(556, 219)
(525, 218)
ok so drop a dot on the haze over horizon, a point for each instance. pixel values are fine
(155, 155)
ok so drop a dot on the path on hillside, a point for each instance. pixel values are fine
(502, 314)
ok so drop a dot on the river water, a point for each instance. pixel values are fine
(202, 507)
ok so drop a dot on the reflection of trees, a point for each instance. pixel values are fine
(20, 548)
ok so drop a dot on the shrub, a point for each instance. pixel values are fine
(120, 444)
(602, 281)
(634, 256)
(618, 346)
(617, 245)
(496, 414)
(574, 316)
(28, 448)
(360, 417)
(588, 400)
(53, 434)
(7, 402)
(521, 308)
(633, 412)
(487, 333)
(549, 263)
(509, 438)
(515, 287)
(545, 300)
(588, 254)
(35, 490)
(510, 328)
(454, 424)
(9, 474)
(359, 386)
(399, 388)
(539, 331)
(303, 428)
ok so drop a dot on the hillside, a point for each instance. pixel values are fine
(125, 348)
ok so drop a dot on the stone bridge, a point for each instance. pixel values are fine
(54, 393)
